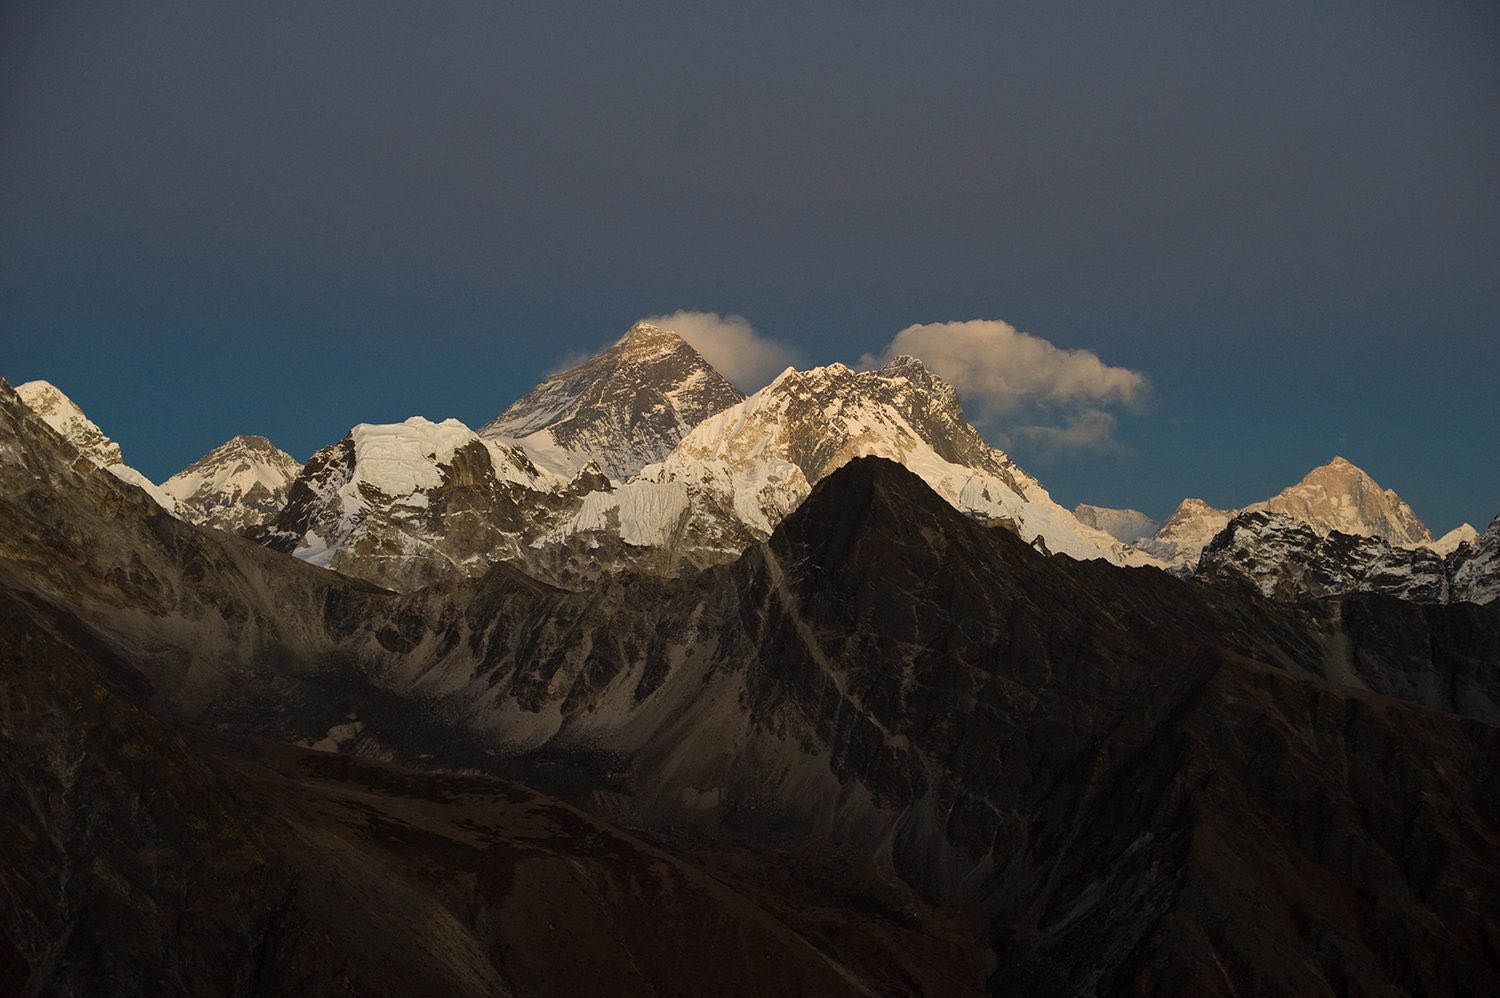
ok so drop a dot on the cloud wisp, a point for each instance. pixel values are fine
(731, 345)
(1024, 387)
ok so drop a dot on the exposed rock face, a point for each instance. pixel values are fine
(622, 409)
(1125, 525)
(144, 859)
(406, 505)
(1475, 568)
(1286, 559)
(1340, 497)
(723, 487)
(239, 484)
(1198, 792)
(1109, 780)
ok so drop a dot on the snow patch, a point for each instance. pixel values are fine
(402, 458)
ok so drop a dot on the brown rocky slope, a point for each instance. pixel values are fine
(933, 758)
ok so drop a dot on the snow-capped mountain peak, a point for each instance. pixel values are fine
(1462, 534)
(63, 415)
(1183, 536)
(624, 408)
(241, 483)
(404, 504)
(1341, 496)
(1333, 497)
(735, 476)
(59, 412)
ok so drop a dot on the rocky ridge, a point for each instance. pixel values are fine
(723, 485)
(1187, 776)
(1286, 559)
(64, 416)
(407, 504)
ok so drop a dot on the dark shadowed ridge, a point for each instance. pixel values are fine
(1102, 780)
(1113, 763)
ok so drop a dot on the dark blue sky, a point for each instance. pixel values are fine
(223, 218)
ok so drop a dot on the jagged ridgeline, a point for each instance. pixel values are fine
(890, 748)
(644, 459)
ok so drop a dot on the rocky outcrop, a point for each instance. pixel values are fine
(1286, 559)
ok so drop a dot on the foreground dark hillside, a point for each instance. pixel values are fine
(889, 751)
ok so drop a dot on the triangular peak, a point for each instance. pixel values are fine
(623, 408)
(1338, 465)
(649, 336)
(1342, 496)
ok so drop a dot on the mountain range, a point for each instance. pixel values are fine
(644, 458)
(825, 696)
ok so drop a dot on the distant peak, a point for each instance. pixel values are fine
(625, 407)
(1342, 496)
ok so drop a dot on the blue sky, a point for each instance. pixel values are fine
(262, 218)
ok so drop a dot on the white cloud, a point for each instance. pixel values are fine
(1024, 385)
(1092, 429)
(731, 345)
